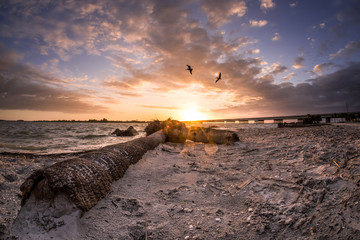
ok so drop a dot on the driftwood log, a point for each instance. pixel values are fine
(63, 191)
(177, 132)
(85, 180)
(210, 135)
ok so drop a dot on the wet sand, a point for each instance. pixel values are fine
(285, 183)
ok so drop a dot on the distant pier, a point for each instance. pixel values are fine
(323, 118)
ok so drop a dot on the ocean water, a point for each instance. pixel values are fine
(61, 137)
(67, 137)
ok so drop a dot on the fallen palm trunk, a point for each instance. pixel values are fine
(78, 183)
(85, 180)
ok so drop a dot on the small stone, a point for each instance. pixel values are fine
(186, 237)
(218, 219)
(250, 209)
(191, 227)
(188, 210)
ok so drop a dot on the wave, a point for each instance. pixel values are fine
(26, 148)
(8, 145)
(92, 136)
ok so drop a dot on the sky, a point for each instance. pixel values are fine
(126, 60)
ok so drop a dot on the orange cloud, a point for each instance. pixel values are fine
(258, 23)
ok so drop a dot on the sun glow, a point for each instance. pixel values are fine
(192, 114)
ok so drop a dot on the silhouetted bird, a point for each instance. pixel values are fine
(189, 68)
(218, 78)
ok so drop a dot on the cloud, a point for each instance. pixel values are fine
(219, 12)
(160, 107)
(70, 28)
(276, 37)
(320, 68)
(293, 4)
(252, 51)
(349, 14)
(149, 44)
(266, 4)
(289, 76)
(26, 88)
(298, 63)
(321, 26)
(327, 93)
(257, 23)
(277, 69)
(347, 51)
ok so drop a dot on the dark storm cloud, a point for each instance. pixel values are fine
(328, 93)
(350, 13)
(320, 68)
(23, 87)
(347, 51)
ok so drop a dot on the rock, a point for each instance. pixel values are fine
(188, 210)
(126, 133)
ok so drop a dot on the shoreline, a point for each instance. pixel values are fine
(274, 183)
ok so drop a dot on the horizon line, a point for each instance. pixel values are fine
(104, 120)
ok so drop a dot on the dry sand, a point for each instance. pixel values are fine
(288, 183)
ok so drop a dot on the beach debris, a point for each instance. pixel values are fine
(129, 132)
(210, 135)
(244, 184)
(177, 132)
(336, 163)
(74, 186)
(188, 210)
(153, 127)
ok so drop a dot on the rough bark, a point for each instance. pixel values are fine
(86, 180)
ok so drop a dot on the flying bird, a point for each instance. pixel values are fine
(189, 68)
(218, 78)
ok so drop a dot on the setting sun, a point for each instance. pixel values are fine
(192, 114)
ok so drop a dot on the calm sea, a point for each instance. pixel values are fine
(66, 137)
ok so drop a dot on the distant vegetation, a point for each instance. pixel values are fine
(104, 120)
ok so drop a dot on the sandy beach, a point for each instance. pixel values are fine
(281, 183)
